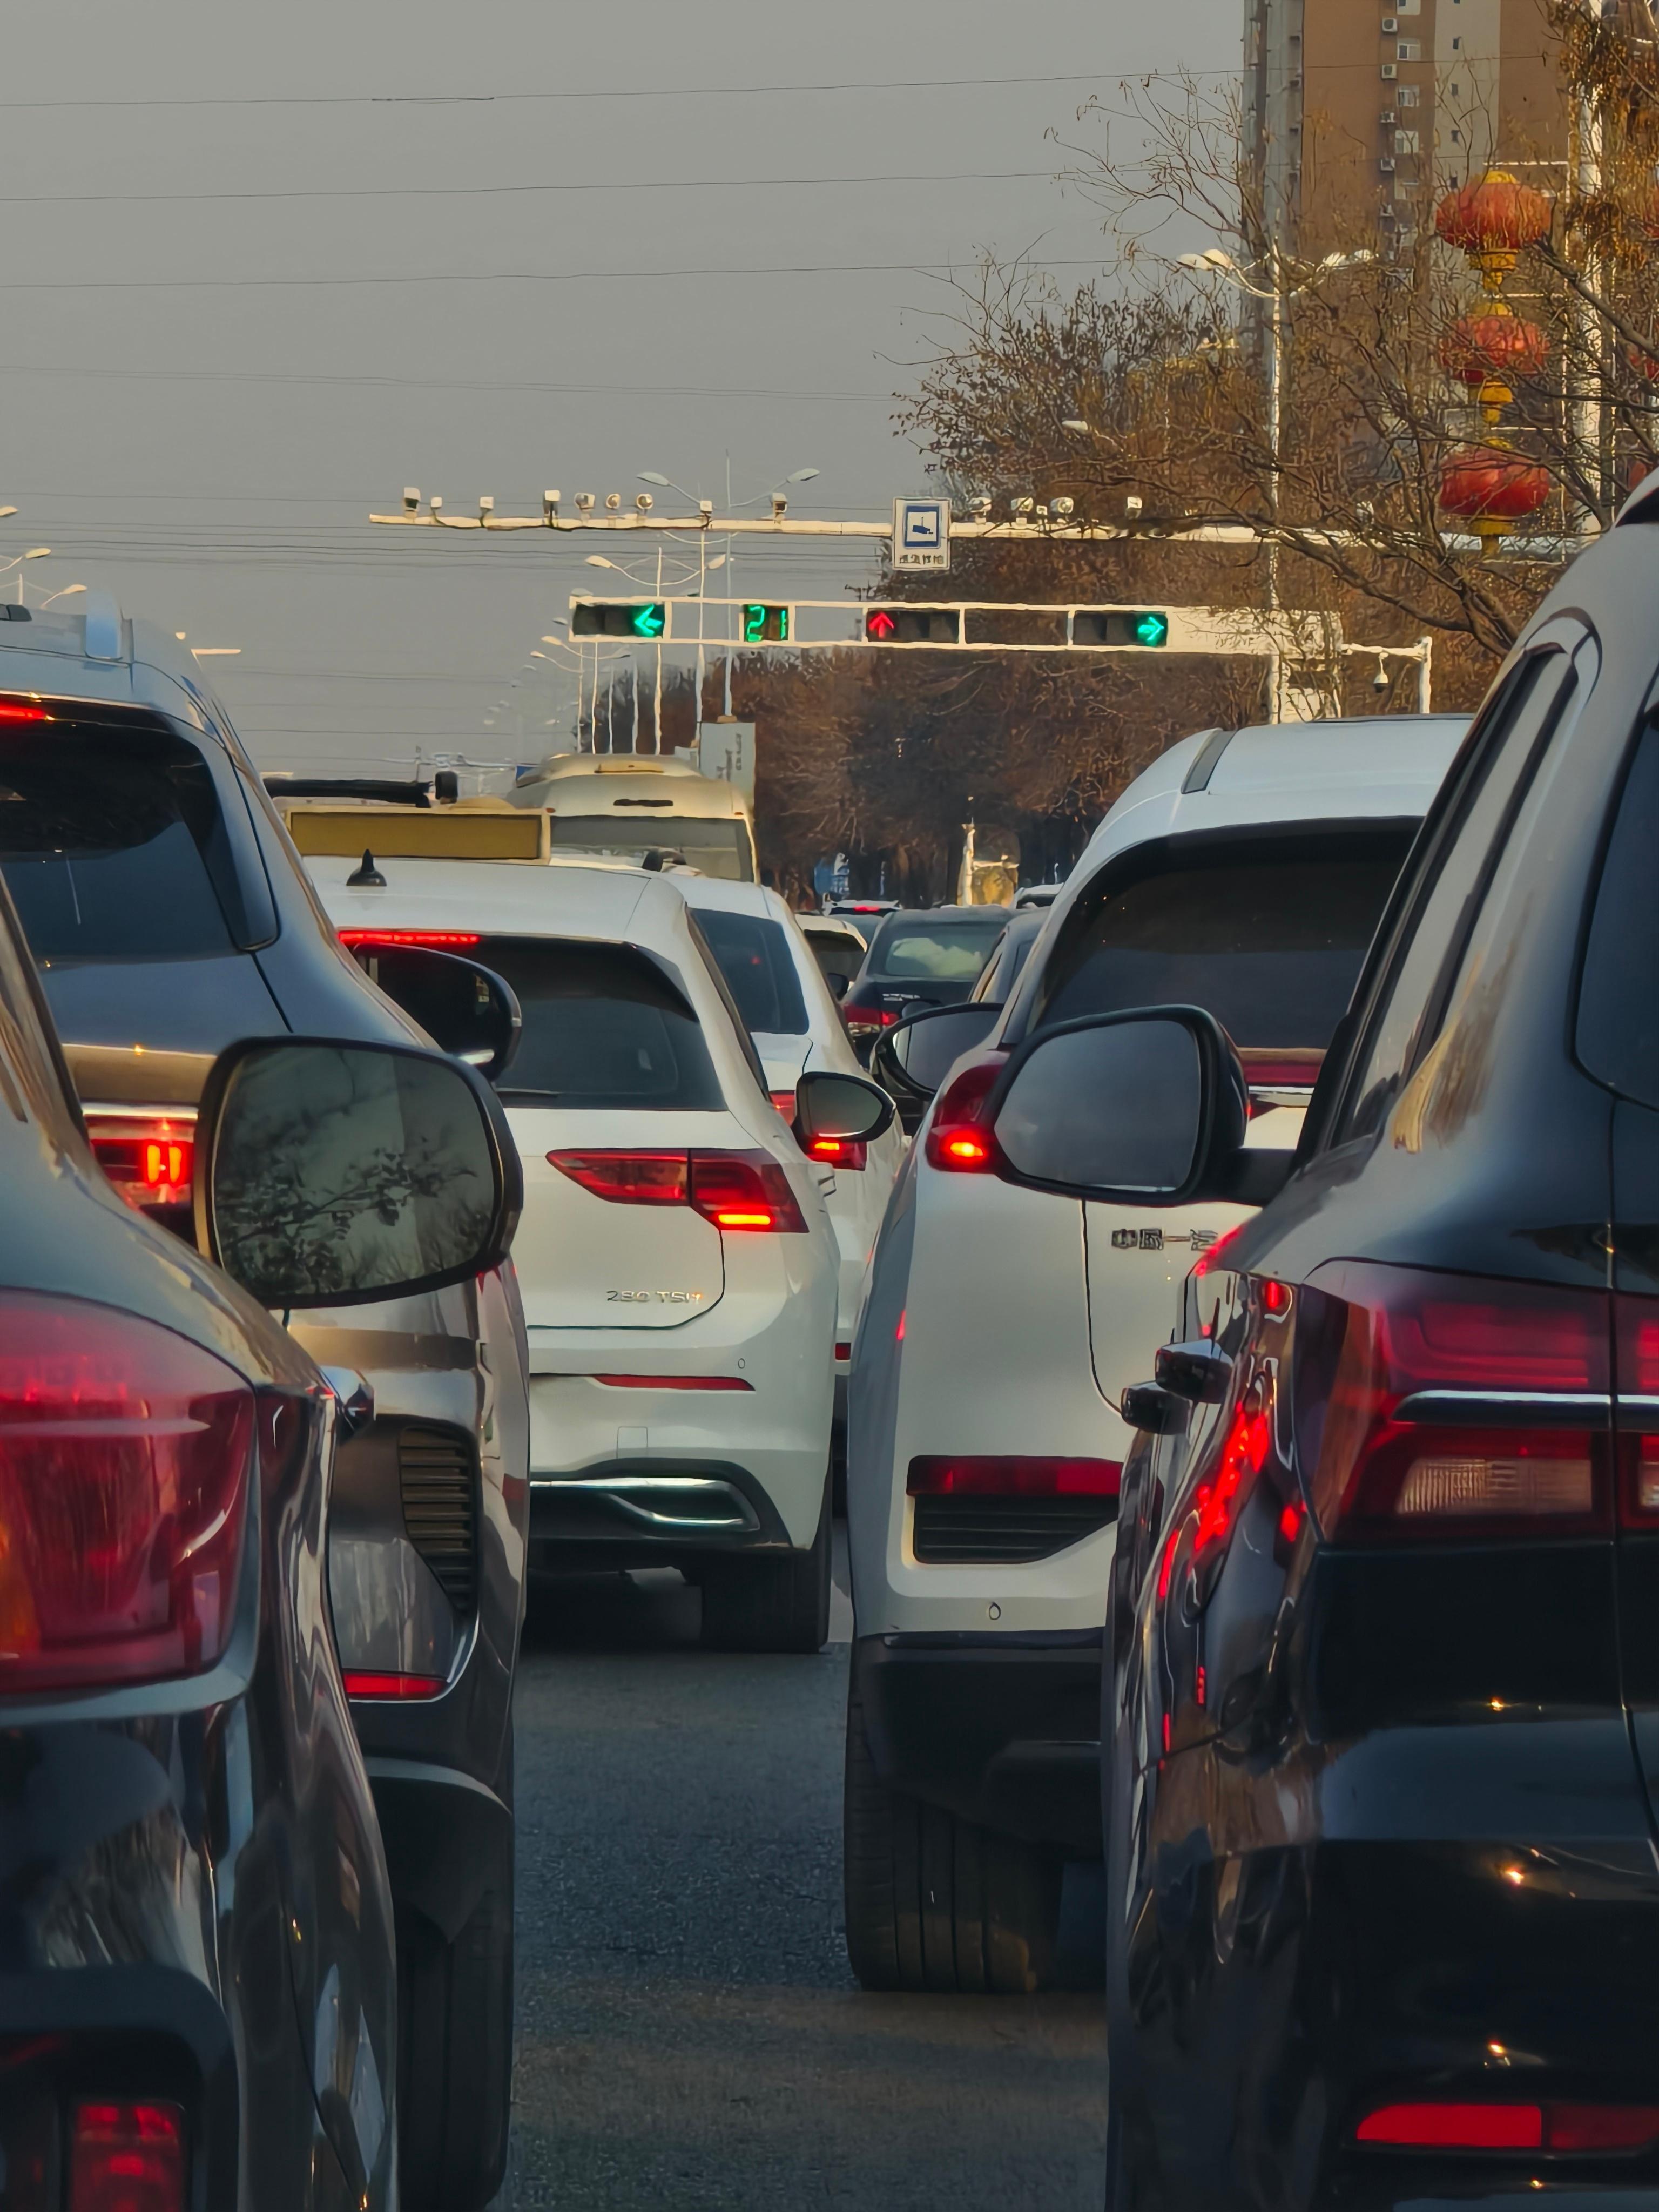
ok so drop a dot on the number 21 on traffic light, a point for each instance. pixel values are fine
(764, 625)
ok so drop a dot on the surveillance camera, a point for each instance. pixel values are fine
(705, 507)
(1380, 681)
(779, 505)
(1131, 508)
(550, 504)
(585, 501)
(411, 500)
(486, 502)
(1022, 506)
(436, 504)
(982, 507)
(1061, 507)
(613, 502)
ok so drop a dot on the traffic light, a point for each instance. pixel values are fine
(1146, 627)
(618, 619)
(765, 625)
(913, 626)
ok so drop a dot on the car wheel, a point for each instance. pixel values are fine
(455, 2055)
(770, 1603)
(935, 1903)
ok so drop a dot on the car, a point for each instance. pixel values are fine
(1243, 872)
(920, 956)
(997, 978)
(198, 1944)
(793, 1019)
(838, 946)
(169, 917)
(1036, 894)
(1379, 1710)
(679, 1268)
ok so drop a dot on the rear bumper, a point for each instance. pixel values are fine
(641, 1512)
(1001, 1730)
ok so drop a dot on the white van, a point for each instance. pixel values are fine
(632, 805)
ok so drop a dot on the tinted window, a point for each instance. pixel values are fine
(1453, 873)
(835, 955)
(715, 848)
(603, 1028)
(940, 949)
(107, 844)
(1618, 1032)
(1269, 937)
(755, 959)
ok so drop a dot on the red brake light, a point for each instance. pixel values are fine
(957, 1140)
(124, 1468)
(442, 938)
(1405, 1410)
(1636, 1326)
(844, 1352)
(1550, 2127)
(363, 1683)
(23, 710)
(784, 1102)
(867, 1018)
(734, 1190)
(839, 1152)
(149, 1157)
(127, 2158)
(945, 1476)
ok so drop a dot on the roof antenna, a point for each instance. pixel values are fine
(367, 877)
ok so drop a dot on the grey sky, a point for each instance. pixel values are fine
(197, 432)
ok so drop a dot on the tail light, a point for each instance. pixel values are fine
(446, 939)
(784, 1103)
(127, 2158)
(1547, 2127)
(1635, 1323)
(673, 1382)
(844, 1352)
(1447, 1407)
(946, 1476)
(125, 1465)
(839, 1152)
(734, 1190)
(361, 1682)
(867, 1021)
(149, 1158)
(958, 1141)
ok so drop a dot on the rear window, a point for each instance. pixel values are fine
(1269, 940)
(753, 955)
(939, 949)
(111, 843)
(603, 1028)
(836, 955)
(717, 847)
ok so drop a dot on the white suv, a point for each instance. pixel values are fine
(1244, 873)
(677, 1265)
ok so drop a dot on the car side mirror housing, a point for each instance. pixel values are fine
(842, 1107)
(839, 984)
(912, 1058)
(466, 1009)
(1147, 1107)
(333, 1173)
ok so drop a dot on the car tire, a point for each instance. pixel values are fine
(934, 1903)
(455, 2055)
(770, 1603)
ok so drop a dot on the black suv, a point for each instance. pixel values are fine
(169, 916)
(1381, 1704)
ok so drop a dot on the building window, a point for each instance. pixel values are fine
(1405, 142)
(1408, 95)
(1457, 138)
(1410, 49)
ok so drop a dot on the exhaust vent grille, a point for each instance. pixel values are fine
(435, 1471)
(961, 1531)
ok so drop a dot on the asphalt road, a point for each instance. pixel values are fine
(689, 2033)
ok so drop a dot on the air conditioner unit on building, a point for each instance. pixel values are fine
(1387, 117)
(1390, 71)
(1385, 162)
(1390, 23)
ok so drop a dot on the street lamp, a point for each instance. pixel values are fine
(1216, 261)
(727, 559)
(67, 591)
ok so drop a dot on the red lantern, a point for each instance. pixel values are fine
(1492, 487)
(1491, 219)
(1486, 352)
(1646, 365)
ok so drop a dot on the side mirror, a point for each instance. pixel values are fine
(466, 1009)
(844, 1108)
(331, 1172)
(915, 1056)
(1141, 1108)
(840, 984)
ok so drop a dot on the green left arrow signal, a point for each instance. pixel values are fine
(650, 620)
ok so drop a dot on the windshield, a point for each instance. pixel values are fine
(604, 1028)
(714, 846)
(943, 949)
(1270, 942)
(107, 844)
(754, 957)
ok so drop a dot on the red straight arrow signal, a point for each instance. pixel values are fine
(879, 624)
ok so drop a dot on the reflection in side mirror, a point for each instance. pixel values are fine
(466, 1009)
(336, 1174)
(1146, 1109)
(914, 1058)
(841, 1107)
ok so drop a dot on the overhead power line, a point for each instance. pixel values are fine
(941, 269)
(497, 191)
(596, 389)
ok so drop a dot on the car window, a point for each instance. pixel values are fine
(1622, 958)
(835, 953)
(113, 844)
(937, 951)
(754, 957)
(33, 1081)
(1455, 868)
(751, 1058)
(713, 847)
(1267, 933)
(603, 1028)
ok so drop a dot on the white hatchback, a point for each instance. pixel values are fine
(795, 1023)
(1244, 873)
(677, 1265)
